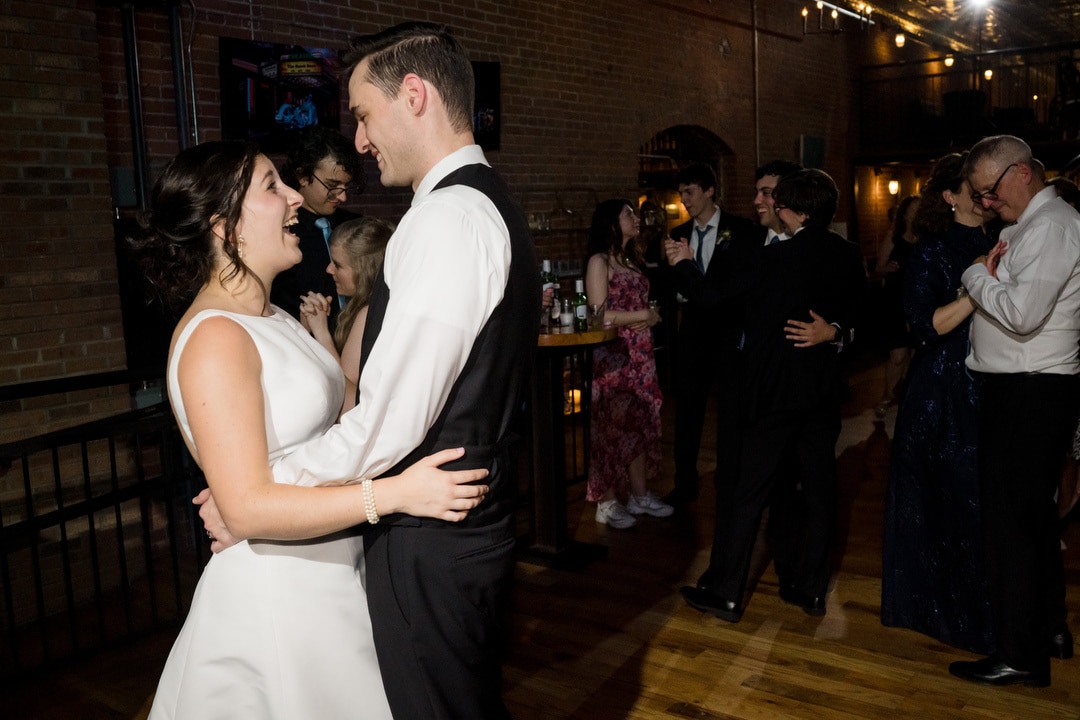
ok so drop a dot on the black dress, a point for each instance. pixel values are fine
(933, 577)
(894, 324)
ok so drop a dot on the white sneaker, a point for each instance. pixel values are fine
(649, 504)
(613, 514)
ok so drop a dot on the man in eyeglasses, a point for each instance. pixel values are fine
(323, 166)
(1024, 348)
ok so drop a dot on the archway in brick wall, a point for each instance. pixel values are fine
(661, 157)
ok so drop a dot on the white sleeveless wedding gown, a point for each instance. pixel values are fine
(277, 629)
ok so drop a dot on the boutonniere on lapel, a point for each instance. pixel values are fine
(723, 236)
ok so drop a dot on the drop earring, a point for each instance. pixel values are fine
(954, 208)
(240, 247)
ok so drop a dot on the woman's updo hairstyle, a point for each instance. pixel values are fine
(175, 241)
(934, 215)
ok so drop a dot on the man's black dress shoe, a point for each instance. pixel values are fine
(1060, 646)
(811, 605)
(705, 601)
(992, 671)
(680, 496)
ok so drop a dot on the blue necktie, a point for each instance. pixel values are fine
(324, 225)
(701, 233)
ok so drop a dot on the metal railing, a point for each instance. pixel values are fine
(928, 106)
(98, 540)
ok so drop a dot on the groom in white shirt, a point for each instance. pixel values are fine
(446, 356)
(1024, 348)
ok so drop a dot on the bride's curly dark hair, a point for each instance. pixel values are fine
(200, 187)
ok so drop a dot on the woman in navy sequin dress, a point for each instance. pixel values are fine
(933, 578)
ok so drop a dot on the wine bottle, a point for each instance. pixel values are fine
(581, 307)
(547, 282)
(547, 278)
(557, 305)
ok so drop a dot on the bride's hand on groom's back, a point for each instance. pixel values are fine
(423, 490)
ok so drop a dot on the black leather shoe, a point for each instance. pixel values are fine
(811, 605)
(1060, 646)
(708, 580)
(991, 671)
(706, 601)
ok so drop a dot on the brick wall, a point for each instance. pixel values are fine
(584, 84)
(59, 310)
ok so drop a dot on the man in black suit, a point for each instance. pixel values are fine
(791, 386)
(323, 166)
(707, 345)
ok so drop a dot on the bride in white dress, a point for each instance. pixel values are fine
(277, 629)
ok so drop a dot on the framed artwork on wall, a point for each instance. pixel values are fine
(269, 90)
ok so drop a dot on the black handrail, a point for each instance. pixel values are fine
(74, 383)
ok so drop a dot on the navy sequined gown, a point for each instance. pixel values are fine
(933, 578)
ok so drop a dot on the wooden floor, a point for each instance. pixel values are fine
(614, 639)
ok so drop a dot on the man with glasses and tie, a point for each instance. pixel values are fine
(1024, 339)
(324, 167)
(711, 234)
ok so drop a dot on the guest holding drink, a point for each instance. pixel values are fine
(626, 397)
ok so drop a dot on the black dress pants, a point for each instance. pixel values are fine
(1025, 425)
(804, 440)
(439, 596)
(697, 369)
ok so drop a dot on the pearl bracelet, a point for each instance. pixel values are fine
(369, 502)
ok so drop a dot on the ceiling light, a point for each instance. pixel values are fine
(949, 60)
(988, 73)
(900, 40)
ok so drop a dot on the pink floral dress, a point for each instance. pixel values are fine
(626, 398)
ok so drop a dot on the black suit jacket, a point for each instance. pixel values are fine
(707, 328)
(309, 275)
(765, 287)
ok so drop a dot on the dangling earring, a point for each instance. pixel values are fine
(240, 247)
(954, 208)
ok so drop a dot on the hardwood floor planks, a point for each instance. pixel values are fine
(615, 641)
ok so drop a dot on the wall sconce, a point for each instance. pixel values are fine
(949, 60)
(894, 187)
(900, 40)
(988, 73)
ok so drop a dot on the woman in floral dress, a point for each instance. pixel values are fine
(626, 397)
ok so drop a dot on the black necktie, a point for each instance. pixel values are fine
(701, 233)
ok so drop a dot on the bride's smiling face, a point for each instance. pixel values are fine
(269, 210)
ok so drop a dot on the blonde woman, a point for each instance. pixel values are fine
(357, 248)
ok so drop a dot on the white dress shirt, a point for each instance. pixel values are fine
(1028, 318)
(774, 237)
(447, 266)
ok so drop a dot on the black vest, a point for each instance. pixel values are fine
(487, 396)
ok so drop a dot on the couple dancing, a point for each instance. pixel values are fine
(280, 626)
